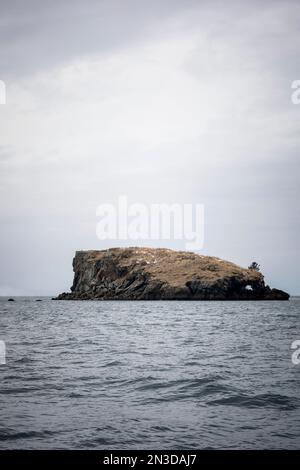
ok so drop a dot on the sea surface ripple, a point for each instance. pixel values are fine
(129, 375)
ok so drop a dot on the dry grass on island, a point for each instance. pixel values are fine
(163, 274)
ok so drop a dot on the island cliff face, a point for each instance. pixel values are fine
(162, 274)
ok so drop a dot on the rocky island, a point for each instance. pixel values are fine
(163, 274)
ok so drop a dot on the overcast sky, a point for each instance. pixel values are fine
(163, 101)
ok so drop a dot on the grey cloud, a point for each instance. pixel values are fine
(249, 181)
(39, 34)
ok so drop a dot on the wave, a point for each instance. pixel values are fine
(267, 400)
(10, 435)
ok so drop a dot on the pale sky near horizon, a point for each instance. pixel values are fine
(166, 102)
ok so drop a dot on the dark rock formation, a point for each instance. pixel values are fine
(162, 274)
(11, 300)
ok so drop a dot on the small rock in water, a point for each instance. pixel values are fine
(11, 300)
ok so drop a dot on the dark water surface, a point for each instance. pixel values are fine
(166, 375)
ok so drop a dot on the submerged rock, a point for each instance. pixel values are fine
(163, 274)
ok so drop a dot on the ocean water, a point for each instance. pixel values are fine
(160, 375)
